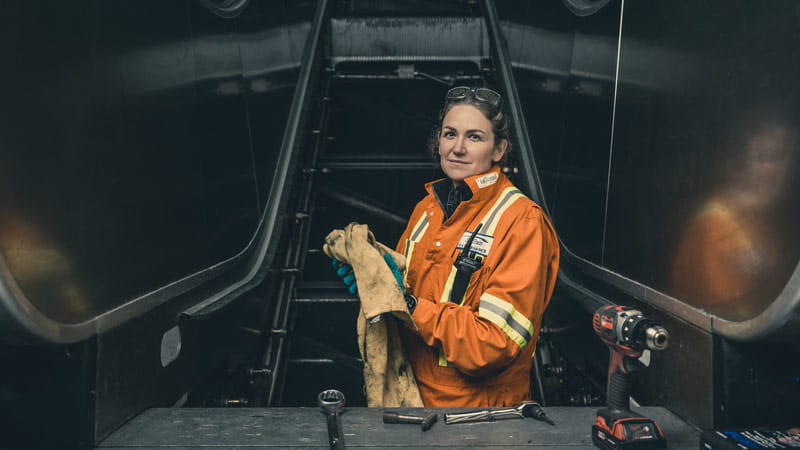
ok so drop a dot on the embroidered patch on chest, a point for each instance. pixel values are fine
(480, 245)
(487, 180)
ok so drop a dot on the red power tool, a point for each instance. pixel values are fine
(627, 332)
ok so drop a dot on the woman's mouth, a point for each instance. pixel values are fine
(454, 161)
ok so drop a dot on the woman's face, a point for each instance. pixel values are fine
(466, 143)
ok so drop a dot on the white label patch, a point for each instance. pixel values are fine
(487, 180)
(480, 245)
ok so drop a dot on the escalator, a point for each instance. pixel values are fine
(373, 111)
(264, 322)
(164, 271)
(367, 101)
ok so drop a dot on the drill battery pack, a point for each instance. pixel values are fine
(630, 433)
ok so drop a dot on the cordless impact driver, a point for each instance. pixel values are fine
(627, 332)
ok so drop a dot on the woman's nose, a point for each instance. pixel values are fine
(459, 145)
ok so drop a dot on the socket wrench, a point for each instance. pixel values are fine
(331, 402)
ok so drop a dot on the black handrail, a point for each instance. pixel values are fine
(289, 154)
(502, 60)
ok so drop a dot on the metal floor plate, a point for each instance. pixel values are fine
(364, 428)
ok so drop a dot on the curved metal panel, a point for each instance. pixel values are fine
(129, 171)
(702, 202)
(227, 9)
(585, 8)
(780, 319)
(701, 205)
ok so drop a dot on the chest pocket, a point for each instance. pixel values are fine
(460, 284)
(477, 281)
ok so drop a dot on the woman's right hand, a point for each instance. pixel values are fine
(345, 272)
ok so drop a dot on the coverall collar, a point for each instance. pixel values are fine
(482, 186)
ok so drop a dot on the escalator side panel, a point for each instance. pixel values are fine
(131, 155)
(702, 117)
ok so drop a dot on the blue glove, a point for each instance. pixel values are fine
(345, 271)
(395, 271)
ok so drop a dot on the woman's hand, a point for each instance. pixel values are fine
(395, 271)
(345, 272)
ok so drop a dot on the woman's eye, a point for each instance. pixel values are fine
(476, 137)
(448, 134)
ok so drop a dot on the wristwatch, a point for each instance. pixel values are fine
(411, 303)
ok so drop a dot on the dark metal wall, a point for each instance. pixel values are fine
(565, 69)
(137, 142)
(679, 176)
(665, 135)
(702, 201)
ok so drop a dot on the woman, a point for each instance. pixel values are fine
(481, 262)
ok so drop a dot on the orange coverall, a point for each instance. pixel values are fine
(478, 353)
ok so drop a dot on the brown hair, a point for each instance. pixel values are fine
(499, 120)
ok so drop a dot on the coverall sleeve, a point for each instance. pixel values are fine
(409, 227)
(516, 293)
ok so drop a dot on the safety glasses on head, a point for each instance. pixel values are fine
(480, 94)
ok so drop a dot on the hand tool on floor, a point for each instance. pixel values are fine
(331, 402)
(627, 333)
(425, 422)
(524, 409)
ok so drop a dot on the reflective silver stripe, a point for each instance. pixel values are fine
(448, 286)
(518, 328)
(508, 196)
(409, 250)
(416, 234)
(419, 230)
